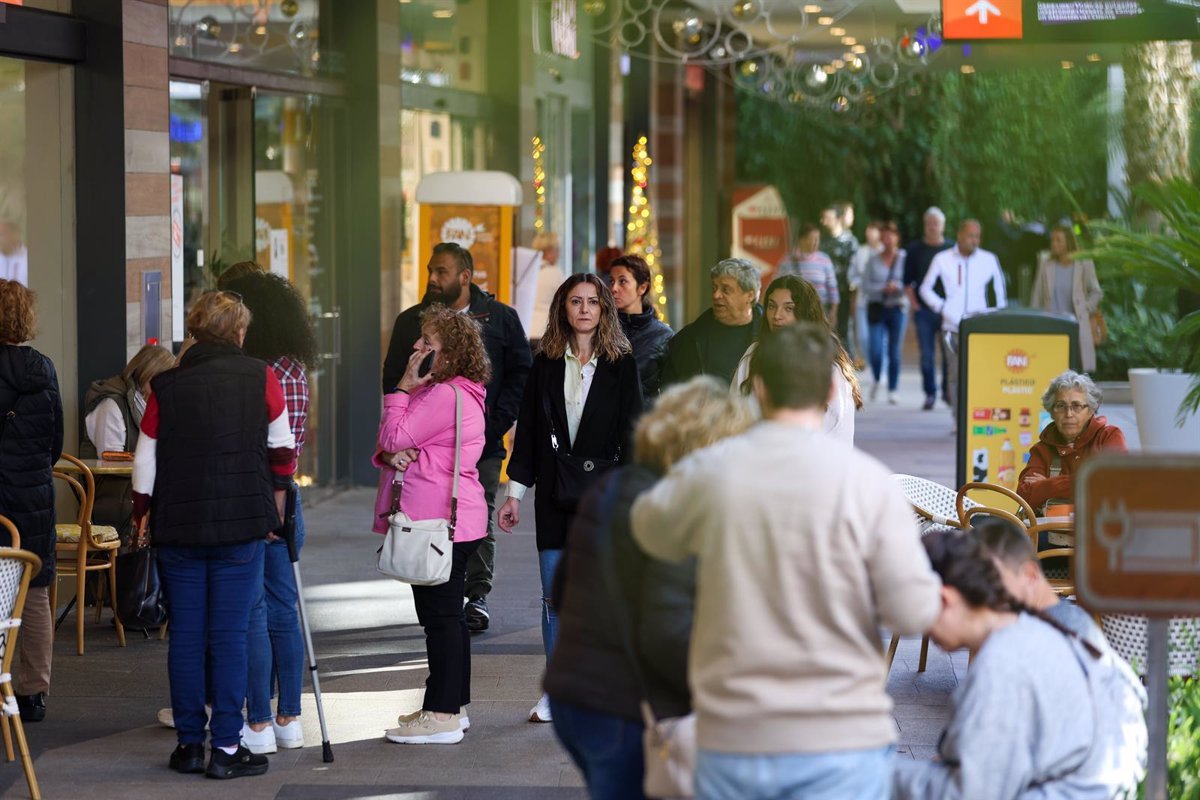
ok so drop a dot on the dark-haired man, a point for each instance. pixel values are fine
(806, 550)
(451, 270)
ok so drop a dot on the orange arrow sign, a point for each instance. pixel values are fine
(982, 19)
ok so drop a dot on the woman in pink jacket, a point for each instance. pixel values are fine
(416, 441)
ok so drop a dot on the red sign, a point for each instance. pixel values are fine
(982, 19)
(761, 231)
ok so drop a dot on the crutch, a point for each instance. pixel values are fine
(289, 536)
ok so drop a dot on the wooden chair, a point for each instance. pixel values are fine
(82, 547)
(1063, 587)
(17, 568)
(934, 506)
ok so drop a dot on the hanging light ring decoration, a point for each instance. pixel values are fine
(686, 28)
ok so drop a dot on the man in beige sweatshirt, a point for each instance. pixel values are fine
(806, 547)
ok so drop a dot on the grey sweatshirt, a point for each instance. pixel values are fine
(1036, 717)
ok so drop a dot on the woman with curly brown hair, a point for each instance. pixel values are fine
(417, 441)
(581, 401)
(31, 440)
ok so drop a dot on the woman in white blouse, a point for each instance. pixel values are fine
(1068, 286)
(581, 401)
(792, 299)
(113, 407)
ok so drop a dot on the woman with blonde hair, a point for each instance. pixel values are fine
(581, 401)
(417, 437)
(1069, 286)
(214, 460)
(625, 619)
(31, 440)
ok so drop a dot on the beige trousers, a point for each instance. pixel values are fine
(35, 644)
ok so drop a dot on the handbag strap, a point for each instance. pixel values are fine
(398, 479)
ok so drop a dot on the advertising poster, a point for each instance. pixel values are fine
(1006, 375)
(484, 230)
(761, 233)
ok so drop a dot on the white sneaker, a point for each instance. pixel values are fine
(290, 736)
(425, 728)
(893, 399)
(166, 717)
(259, 742)
(541, 712)
(464, 722)
(874, 390)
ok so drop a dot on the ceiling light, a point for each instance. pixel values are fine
(824, 20)
(837, 63)
(837, 31)
(849, 40)
(443, 13)
(966, 69)
(859, 49)
(1093, 57)
(1067, 64)
(812, 9)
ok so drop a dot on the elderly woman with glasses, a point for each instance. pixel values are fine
(1074, 434)
(213, 461)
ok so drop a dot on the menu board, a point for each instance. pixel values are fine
(1006, 376)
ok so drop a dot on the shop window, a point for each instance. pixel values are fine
(443, 43)
(14, 254)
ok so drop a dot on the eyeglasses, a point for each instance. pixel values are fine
(1075, 408)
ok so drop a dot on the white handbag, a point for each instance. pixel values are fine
(421, 551)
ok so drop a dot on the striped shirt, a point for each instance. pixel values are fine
(817, 269)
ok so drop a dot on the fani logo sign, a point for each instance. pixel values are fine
(1016, 361)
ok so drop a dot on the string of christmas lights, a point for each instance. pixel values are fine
(642, 229)
(539, 184)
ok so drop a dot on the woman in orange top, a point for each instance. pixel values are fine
(1075, 434)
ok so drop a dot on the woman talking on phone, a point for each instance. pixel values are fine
(581, 401)
(417, 441)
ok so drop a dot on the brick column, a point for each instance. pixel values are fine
(667, 181)
(144, 32)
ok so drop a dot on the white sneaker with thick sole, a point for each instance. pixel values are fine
(541, 712)
(464, 722)
(261, 742)
(425, 728)
(166, 717)
(290, 736)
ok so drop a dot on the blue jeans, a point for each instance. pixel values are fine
(547, 566)
(862, 330)
(891, 324)
(836, 775)
(209, 594)
(607, 750)
(929, 330)
(276, 647)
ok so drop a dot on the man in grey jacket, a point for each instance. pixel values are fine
(805, 551)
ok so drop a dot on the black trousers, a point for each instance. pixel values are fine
(447, 640)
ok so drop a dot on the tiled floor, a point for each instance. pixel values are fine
(100, 740)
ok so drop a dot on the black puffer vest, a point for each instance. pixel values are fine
(212, 481)
(31, 438)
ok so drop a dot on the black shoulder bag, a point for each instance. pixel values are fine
(573, 475)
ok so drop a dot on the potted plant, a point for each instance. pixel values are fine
(1163, 249)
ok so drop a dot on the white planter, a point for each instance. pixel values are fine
(1156, 400)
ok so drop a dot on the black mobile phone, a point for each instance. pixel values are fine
(426, 364)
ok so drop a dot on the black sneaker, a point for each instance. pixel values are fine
(32, 707)
(243, 763)
(930, 402)
(188, 759)
(476, 612)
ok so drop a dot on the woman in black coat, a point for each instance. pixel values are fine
(648, 335)
(31, 441)
(625, 619)
(576, 421)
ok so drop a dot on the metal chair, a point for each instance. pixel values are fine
(82, 547)
(17, 568)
